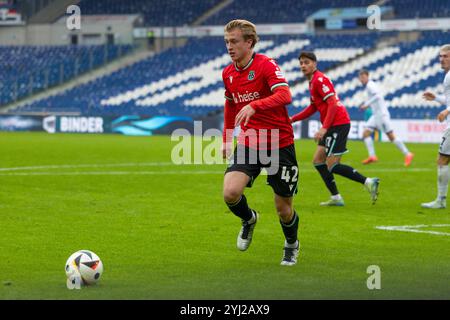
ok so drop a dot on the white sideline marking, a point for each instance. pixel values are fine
(104, 173)
(4, 171)
(416, 228)
(98, 165)
(165, 164)
(397, 170)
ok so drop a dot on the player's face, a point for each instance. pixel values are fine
(364, 78)
(444, 59)
(307, 66)
(237, 47)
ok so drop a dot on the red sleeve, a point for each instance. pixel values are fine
(324, 88)
(331, 112)
(229, 115)
(280, 98)
(273, 75)
(227, 93)
(305, 113)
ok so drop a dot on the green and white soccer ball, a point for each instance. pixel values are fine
(85, 264)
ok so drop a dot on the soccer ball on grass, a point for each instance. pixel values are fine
(85, 264)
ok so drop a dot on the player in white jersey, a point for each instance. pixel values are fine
(444, 148)
(380, 119)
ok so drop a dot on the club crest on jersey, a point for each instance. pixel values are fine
(231, 79)
(251, 75)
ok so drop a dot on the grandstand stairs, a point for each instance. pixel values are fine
(382, 43)
(399, 38)
(129, 59)
(211, 12)
(51, 12)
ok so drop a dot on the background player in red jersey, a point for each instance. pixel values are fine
(332, 136)
(256, 94)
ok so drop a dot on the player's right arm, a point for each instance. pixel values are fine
(375, 92)
(430, 96)
(304, 114)
(229, 116)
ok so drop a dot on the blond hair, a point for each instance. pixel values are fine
(445, 47)
(248, 29)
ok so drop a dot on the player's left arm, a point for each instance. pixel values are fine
(280, 97)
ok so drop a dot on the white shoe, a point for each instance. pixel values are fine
(245, 235)
(290, 255)
(333, 203)
(439, 203)
(372, 187)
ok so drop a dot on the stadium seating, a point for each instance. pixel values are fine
(184, 12)
(269, 11)
(170, 82)
(29, 69)
(295, 12)
(186, 81)
(407, 9)
(153, 11)
(404, 72)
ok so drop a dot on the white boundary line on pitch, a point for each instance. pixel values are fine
(167, 164)
(98, 165)
(416, 228)
(160, 172)
(112, 173)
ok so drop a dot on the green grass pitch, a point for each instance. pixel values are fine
(163, 232)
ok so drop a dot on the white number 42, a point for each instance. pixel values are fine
(286, 174)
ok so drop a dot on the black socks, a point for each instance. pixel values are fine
(290, 229)
(328, 178)
(348, 172)
(241, 209)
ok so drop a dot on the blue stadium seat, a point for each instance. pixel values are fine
(30, 69)
(269, 11)
(88, 98)
(186, 81)
(155, 12)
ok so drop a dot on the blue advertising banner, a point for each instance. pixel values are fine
(127, 125)
(136, 125)
(20, 123)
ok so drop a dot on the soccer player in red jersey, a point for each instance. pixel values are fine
(332, 136)
(256, 96)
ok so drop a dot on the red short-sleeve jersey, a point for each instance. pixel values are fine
(320, 89)
(256, 81)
